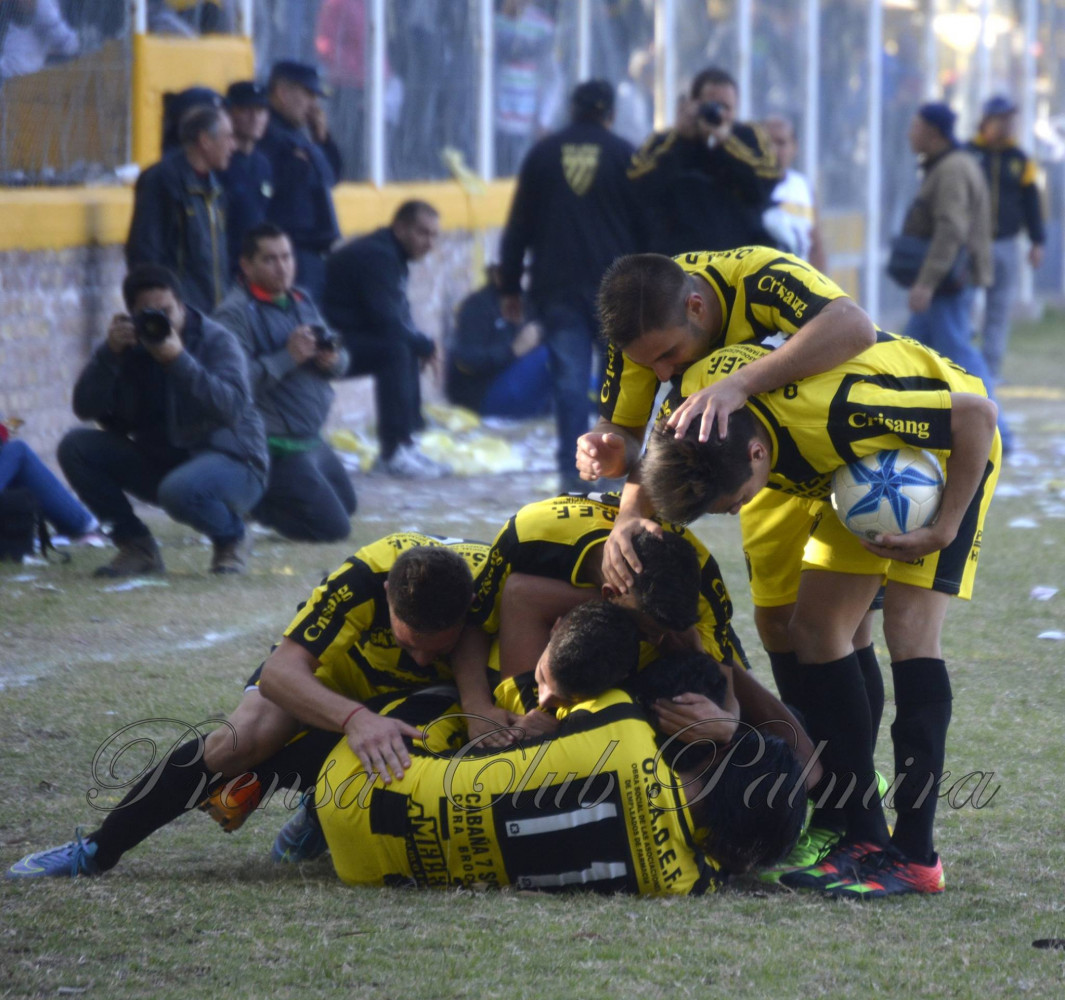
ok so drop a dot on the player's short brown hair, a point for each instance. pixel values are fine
(684, 476)
(430, 588)
(641, 293)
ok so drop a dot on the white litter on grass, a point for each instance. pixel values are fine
(134, 584)
(47, 586)
(23, 578)
(17, 681)
(1023, 459)
(1052, 634)
(1023, 522)
(210, 639)
(1042, 593)
(1007, 490)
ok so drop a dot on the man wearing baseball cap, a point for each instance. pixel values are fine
(306, 164)
(1012, 178)
(249, 179)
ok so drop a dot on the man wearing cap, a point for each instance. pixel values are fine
(179, 211)
(952, 211)
(1011, 176)
(249, 179)
(306, 164)
(575, 209)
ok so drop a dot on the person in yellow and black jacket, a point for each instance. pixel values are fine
(1012, 178)
(707, 181)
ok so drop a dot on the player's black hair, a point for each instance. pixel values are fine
(684, 476)
(430, 588)
(754, 804)
(249, 245)
(147, 277)
(679, 673)
(641, 293)
(667, 587)
(596, 646)
(715, 75)
(408, 212)
(197, 120)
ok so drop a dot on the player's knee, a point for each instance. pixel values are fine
(227, 751)
(772, 625)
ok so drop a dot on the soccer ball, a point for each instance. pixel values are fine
(889, 493)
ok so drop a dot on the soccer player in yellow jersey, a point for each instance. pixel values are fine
(384, 621)
(896, 394)
(594, 806)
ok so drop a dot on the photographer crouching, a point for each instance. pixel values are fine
(169, 388)
(707, 181)
(292, 357)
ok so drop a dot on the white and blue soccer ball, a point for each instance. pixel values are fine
(889, 493)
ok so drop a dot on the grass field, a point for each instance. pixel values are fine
(194, 912)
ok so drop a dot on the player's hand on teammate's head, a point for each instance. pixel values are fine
(494, 727)
(711, 406)
(620, 561)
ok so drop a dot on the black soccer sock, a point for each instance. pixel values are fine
(174, 786)
(296, 765)
(874, 688)
(838, 713)
(919, 735)
(787, 677)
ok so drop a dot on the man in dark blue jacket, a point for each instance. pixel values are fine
(574, 208)
(306, 164)
(179, 218)
(170, 390)
(249, 179)
(366, 300)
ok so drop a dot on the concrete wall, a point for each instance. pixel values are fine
(56, 304)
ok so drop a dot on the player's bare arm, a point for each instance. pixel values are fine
(529, 608)
(485, 721)
(837, 333)
(608, 450)
(972, 429)
(288, 680)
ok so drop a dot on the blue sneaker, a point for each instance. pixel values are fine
(301, 838)
(74, 858)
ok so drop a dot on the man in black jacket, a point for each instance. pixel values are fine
(575, 210)
(179, 218)
(169, 388)
(305, 163)
(366, 300)
(706, 182)
(292, 357)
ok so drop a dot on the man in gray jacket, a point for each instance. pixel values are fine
(292, 357)
(953, 211)
(179, 428)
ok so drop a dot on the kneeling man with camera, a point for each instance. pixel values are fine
(178, 428)
(292, 356)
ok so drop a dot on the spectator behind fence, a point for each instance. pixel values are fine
(575, 210)
(341, 43)
(292, 356)
(249, 180)
(527, 85)
(35, 32)
(179, 219)
(496, 367)
(792, 218)
(707, 181)
(305, 164)
(179, 428)
(366, 300)
(1012, 178)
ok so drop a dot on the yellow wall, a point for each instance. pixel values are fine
(57, 218)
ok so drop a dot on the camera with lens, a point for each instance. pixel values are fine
(712, 113)
(323, 338)
(152, 326)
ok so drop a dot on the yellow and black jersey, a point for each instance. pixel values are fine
(894, 394)
(345, 624)
(591, 807)
(553, 538)
(762, 293)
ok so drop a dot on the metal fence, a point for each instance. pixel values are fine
(420, 86)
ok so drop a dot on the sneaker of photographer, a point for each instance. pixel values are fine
(407, 462)
(231, 557)
(136, 557)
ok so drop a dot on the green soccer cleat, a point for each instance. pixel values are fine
(889, 873)
(301, 838)
(840, 864)
(813, 844)
(77, 857)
